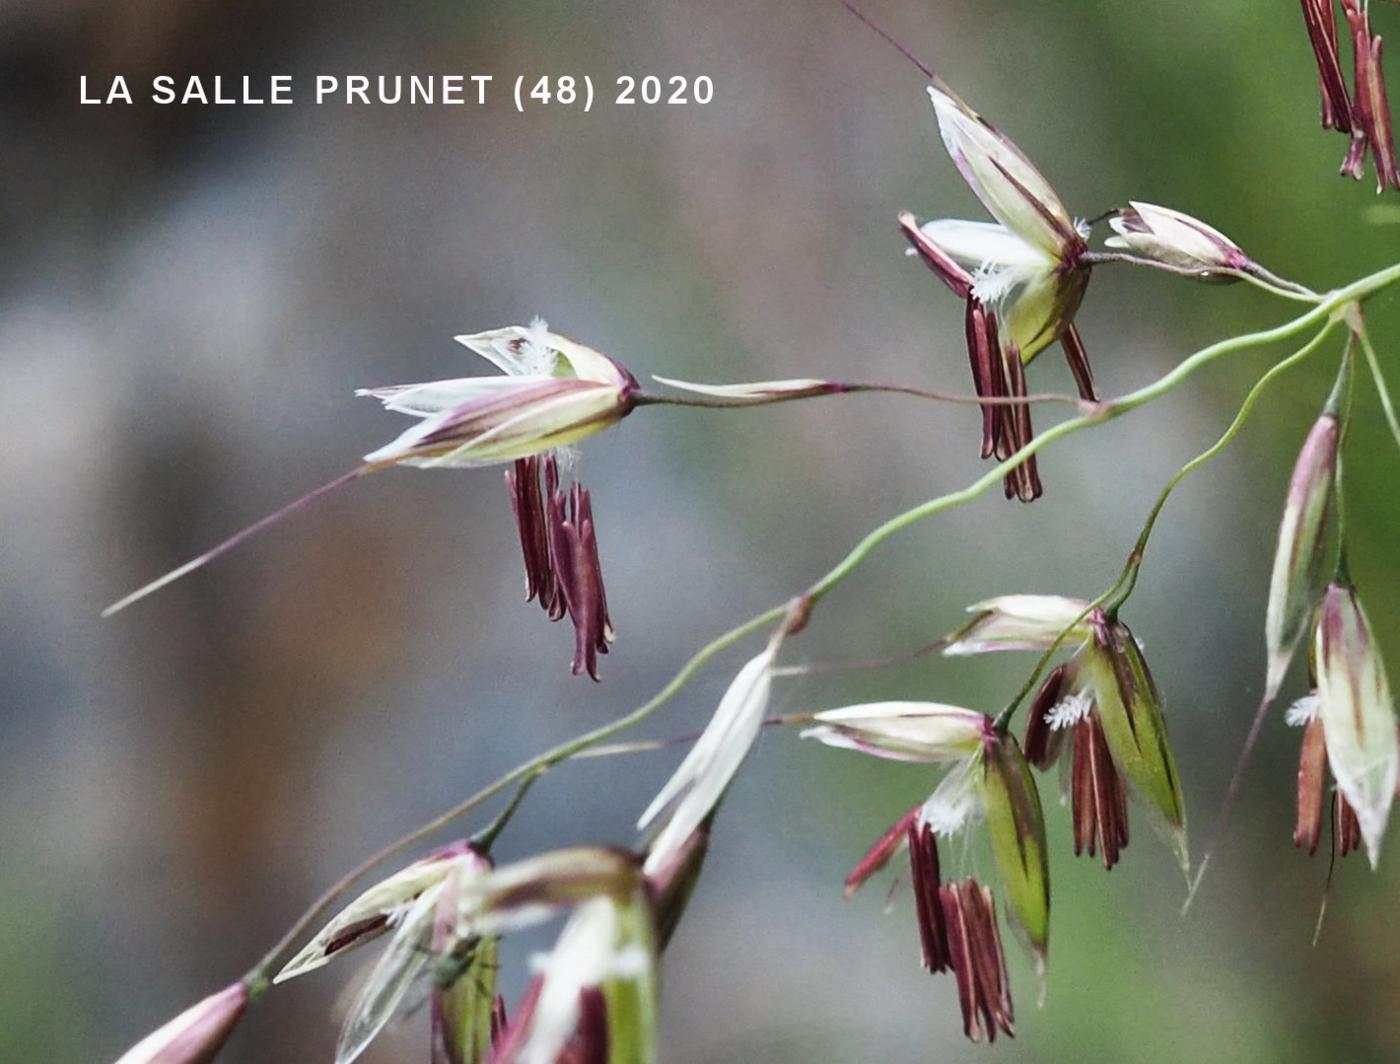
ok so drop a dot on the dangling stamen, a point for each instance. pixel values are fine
(1354, 163)
(1370, 109)
(933, 928)
(979, 328)
(1312, 779)
(1346, 828)
(573, 549)
(960, 951)
(1023, 482)
(983, 350)
(977, 959)
(589, 1044)
(1042, 742)
(1078, 360)
(1099, 801)
(989, 960)
(523, 483)
(559, 544)
(1321, 19)
(885, 847)
(553, 503)
(600, 623)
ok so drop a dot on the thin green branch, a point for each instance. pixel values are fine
(1112, 599)
(487, 836)
(1341, 394)
(642, 746)
(1128, 581)
(796, 612)
(1341, 402)
(819, 668)
(1256, 275)
(1108, 411)
(257, 978)
(1259, 273)
(1374, 362)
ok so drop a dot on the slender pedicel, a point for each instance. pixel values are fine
(1317, 315)
(1298, 538)
(767, 393)
(235, 539)
(1357, 713)
(554, 392)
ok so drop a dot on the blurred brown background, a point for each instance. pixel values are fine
(188, 297)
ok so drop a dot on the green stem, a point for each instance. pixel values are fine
(1270, 281)
(1320, 313)
(816, 668)
(642, 746)
(1257, 275)
(1374, 362)
(1003, 719)
(258, 977)
(484, 839)
(1340, 403)
(1337, 403)
(1118, 592)
(1128, 580)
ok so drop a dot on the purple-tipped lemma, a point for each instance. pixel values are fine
(445, 914)
(417, 908)
(1106, 697)
(1299, 573)
(196, 1035)
(554, 393)
(1357, 713)
(1177, 239)
(1312, 798)
(1364, 114)
(1020, 276)
(1320, 17)
(381, 908)
(989, 780)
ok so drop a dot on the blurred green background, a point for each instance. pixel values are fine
(188, 297)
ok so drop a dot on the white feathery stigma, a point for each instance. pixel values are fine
(1304, 711)
(1069, 711)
